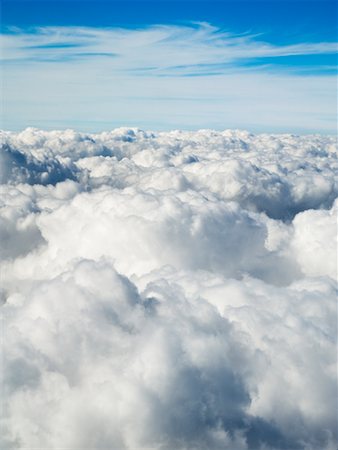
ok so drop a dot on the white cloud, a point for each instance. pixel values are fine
(316, 252)
(171, 76)
(168, 290)
(152, 46)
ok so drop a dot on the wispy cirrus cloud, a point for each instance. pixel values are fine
(161, 46)
(112, 69)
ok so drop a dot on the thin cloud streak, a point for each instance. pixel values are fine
(199, 44)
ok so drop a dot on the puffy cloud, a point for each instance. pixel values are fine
(168, 290)
(314, 250)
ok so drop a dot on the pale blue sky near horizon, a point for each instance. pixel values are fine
(264, 66)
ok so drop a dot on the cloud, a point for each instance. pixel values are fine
(316, 253)
(168, 290)
(199, 44)
(189, 76)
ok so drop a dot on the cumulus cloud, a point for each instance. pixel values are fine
(168, 290)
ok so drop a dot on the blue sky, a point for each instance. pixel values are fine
(259, 65)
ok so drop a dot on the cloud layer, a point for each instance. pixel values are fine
(168, 290)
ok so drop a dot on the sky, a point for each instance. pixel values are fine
(265, 66)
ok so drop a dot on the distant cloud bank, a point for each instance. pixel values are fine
(172, 290)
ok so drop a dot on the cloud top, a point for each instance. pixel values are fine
(168, 290)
